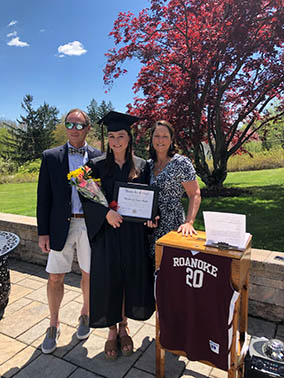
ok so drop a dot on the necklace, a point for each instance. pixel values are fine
(159, 167)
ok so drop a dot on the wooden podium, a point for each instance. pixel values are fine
(239, 277)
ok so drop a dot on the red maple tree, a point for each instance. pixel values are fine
(211, 67)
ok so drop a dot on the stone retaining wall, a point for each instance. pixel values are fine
(266, 288)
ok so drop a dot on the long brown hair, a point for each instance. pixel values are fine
(109, 162)
(172, 148)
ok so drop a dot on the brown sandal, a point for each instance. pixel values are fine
(125, 341)
(111, 348)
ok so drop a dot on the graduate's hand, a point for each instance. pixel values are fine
(152, 224)
(44, 244)
(114, 219)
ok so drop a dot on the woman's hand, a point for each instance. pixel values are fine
(114, 219)
(187, 229)
(193, 192)
(152, 224)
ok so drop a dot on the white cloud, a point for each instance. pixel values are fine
(16, 42)
(13, 34)
(13, 22)
(72, 48)
(42, 30)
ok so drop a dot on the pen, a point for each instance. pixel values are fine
(279, 257)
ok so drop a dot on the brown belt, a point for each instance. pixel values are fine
(77, 215)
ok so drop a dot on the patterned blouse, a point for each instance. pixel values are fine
(179, 169)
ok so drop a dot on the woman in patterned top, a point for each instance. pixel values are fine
(173, 174)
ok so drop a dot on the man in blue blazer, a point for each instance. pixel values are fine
(61, 224)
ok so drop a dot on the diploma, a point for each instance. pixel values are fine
(136, 202)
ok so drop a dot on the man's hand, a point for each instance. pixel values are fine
(43, 242)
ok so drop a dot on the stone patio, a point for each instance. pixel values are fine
(27, 316)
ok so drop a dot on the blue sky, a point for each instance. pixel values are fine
(54, 50)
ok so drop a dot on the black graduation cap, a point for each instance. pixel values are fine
(116, 121)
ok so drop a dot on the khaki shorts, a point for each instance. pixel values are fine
(77, 240)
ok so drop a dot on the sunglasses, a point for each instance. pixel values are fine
(78, 126)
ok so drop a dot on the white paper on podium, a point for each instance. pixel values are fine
(225, 228)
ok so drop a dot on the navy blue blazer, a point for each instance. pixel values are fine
(54, 195)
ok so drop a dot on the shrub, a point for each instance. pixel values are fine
(27, 172)
(25, 177)
(19, 178)
(259, 160)
(7, 167)
(253, 146)
(30, 167)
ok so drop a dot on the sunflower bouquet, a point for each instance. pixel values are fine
(86, 185)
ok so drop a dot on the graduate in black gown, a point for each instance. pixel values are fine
(121, 277)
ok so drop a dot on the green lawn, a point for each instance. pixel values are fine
(263, 208)
(18, 198)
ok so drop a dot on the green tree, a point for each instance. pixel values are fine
(33, 134)
(4, 133)
(272, 135)
(95, 113)
(207, 66)
(7, 166)
(59, 133)
(141, 143)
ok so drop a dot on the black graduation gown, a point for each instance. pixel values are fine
(120, 263)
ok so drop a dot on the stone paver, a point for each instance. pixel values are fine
(16, 306)
(17, 292)
(152, 320)
(81, 373)
(197, 370)
(217, 373)
(73, 280)
(258, 327)
(24, 319)
(174, 365)
(8, 348)
(70, 312)
(32, 284)
(66, 341)
(144, 337)
(17, 276)
(23, 328)
(46, 366)
(41, 296)
(89, 355)
(280, 332)
(34, 332)
(136, 373)
(18, 362)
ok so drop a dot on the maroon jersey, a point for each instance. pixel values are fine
(195, 300)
